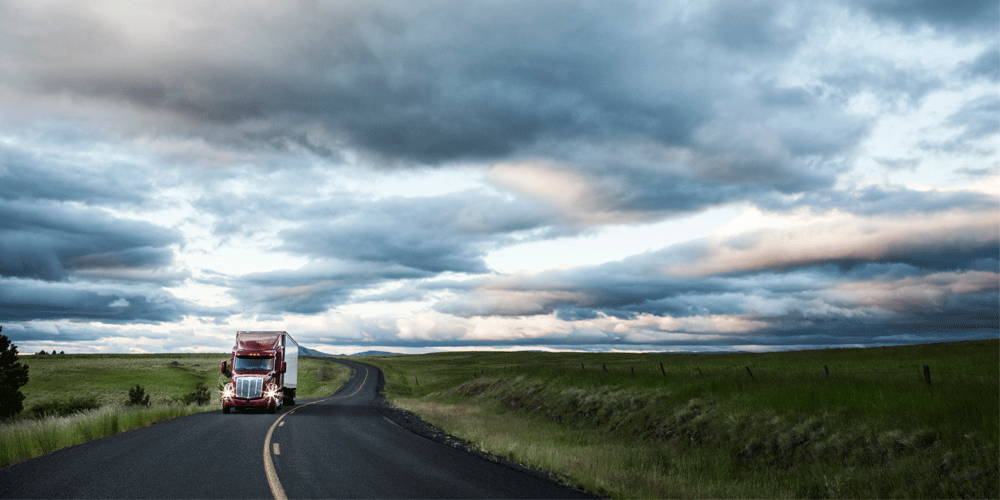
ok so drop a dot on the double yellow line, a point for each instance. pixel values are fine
(272, 476)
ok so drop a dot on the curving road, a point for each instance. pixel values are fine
(334, 447)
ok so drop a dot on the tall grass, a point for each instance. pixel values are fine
(28, 438)
(704, 425)
(320, 377)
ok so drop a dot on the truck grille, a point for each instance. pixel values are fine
(249, 387)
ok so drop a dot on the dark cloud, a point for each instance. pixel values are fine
(382, 241)
(978, 118)
(752, 27)
(977, 15)
(28, 175)
(962, 316)
(880, 200)
(28, 300)
(432, 83)
(886, 80)
(52, 241)
(314, 288)
(978, 172)
(986, 65)
(429, 235)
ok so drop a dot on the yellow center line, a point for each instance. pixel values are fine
(272, 475)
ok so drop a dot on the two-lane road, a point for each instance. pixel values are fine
(334, 447)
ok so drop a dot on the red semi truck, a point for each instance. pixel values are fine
(262, 371)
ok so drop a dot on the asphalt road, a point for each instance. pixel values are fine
(334, 447)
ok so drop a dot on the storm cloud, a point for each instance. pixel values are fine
(377, 174)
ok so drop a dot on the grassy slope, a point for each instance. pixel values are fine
(320, 377)
(709, 428)
(108, 377)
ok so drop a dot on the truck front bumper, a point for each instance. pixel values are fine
(251, 403)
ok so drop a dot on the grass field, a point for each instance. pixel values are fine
(107, 379)
(769, 425)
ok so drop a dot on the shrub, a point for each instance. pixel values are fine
(13, 375)
(137, 396)
(323, 373)
(64, 408)
(200, 395)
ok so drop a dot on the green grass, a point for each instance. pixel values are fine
(166, 377)
(28, 438)
(703, 426)
(106, 379)
(320, 377)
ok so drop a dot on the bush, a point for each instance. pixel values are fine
(200, 395)
(64, 408)
(13, 375)
(137, 396)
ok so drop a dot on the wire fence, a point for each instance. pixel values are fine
(646, 369)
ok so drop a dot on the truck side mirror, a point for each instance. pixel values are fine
(224, 370)
(284, 366)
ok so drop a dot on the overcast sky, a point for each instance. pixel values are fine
(415, 176)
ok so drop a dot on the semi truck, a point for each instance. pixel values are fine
(262, 371)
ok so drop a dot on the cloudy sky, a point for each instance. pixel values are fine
(416, 176)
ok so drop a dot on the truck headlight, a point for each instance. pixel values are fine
(228, 392)
(272, 392)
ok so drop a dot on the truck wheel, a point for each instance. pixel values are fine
(225, 409)
(270, 409)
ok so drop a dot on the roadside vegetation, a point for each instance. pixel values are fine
(840, 423)
(74, 398)
(13, 375)
(320, 377)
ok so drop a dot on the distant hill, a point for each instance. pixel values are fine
(305, 351)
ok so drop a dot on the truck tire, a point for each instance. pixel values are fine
(271, 409)
(226, 409)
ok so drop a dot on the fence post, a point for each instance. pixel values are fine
(664, 372)
(927, 374)
(699, 371)
(582, 368)
(605, 367)
(748, 371)
(633, 370)
(826, 370)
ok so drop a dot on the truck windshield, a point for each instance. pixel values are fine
(253, 364)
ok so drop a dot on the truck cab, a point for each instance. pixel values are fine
(262, 370)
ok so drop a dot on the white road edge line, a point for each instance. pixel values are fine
(272, 477)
